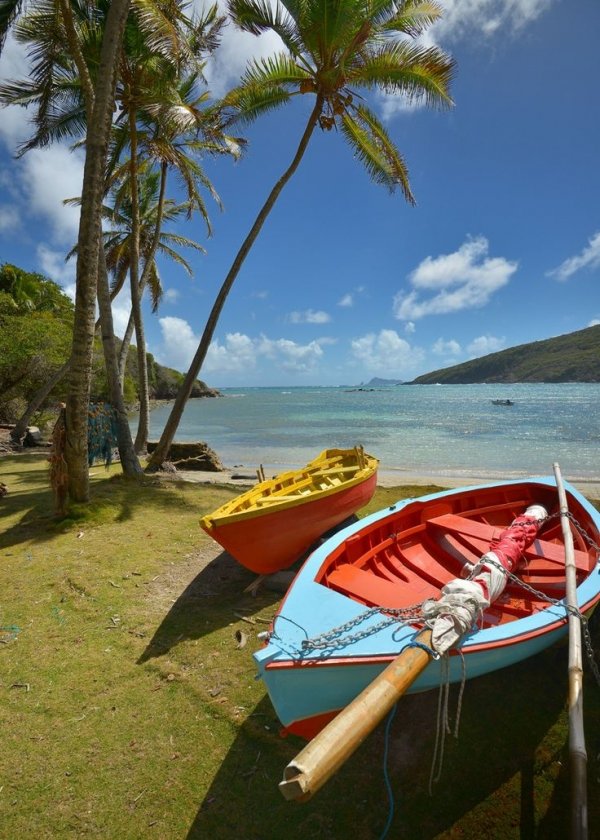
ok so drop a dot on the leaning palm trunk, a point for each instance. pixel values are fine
(89, 241)
(18, 433)
(160, 454)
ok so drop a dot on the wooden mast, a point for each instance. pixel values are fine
(577, 751)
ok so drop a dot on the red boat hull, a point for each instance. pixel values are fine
(275, 540)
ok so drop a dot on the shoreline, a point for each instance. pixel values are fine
(244, 477)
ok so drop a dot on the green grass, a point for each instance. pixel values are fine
(128, 709)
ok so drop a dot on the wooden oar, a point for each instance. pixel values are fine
(328, 750)
(577, 751)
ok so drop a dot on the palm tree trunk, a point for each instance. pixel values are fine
(159, 456)
(141, 438)
(98, 131)
(147, 267)
(129, 460)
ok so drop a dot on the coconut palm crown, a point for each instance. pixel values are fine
(339, 50)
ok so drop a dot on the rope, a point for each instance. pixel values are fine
(428, 650)
(441, 724)
(386, 777)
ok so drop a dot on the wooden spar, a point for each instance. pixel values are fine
(577, 751)
(326, 753)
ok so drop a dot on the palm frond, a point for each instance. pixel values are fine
(9, 11)
(413, 17)
(176, 257)
(258, 16)
(416, 72)
(376, 151)
(160, 30)
(155, 286)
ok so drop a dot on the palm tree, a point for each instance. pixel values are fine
(64, 85)
(162, 114)
(155, 212)
(334, 50)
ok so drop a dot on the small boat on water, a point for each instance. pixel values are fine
(363, 596)
(502, 402)
(272, 525)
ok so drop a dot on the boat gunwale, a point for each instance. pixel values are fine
(220, 517)
(532, 626)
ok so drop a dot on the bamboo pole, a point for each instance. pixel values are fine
(328, 750)
(577, 751)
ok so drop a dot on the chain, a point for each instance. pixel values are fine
(339, 637)
(557, 602)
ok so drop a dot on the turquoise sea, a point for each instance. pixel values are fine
(424, 430)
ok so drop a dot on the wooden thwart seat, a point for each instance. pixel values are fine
(372, 589)
(473, 534)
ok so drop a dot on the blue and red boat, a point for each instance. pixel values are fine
(365, 595)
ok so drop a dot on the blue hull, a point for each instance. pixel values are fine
(304, 685)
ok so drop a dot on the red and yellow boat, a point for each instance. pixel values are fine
(272, 525)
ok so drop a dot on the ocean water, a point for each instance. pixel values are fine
(426, 430)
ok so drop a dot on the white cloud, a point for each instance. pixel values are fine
(409, 327)
(346, 300)
(9, 218)
(488, 17)
(14, 120)
(48, 176)
(588, 258)
(466, 279)
(594, 322)
(485, 344)
(53, 265)
(309, 316)
(121, 310)
(468, 18)
(229, 62)
(179, 343)
(171, 295)
(446, 348)
(237, 353)
(290, 356)
(387, 354)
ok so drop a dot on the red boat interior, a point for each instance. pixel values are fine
(408, 556)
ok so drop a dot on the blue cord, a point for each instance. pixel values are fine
(386, 777)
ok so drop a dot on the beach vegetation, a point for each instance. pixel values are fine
(131, 708)
(36, 322)
(337, 54)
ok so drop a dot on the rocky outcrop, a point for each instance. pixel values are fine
(191, 455)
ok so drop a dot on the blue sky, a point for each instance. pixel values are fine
(347, 282)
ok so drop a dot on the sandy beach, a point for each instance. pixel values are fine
(246, 477)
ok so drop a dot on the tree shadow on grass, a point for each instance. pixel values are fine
(30, 502)
(507, 767)
(216, 594)
(210, 601)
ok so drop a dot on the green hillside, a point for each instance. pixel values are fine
(574, 357)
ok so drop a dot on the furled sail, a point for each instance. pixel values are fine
(463, 601)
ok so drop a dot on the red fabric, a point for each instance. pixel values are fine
(512, 542)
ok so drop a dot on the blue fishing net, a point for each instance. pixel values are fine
(102, 433)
